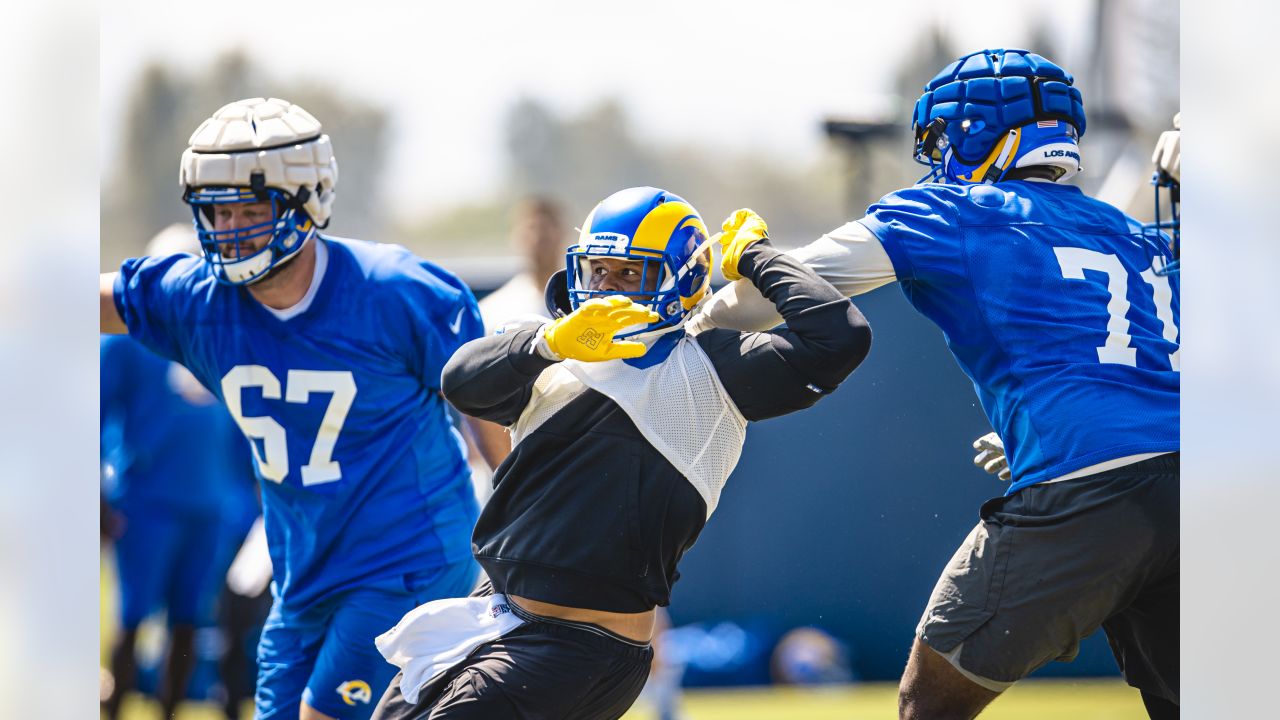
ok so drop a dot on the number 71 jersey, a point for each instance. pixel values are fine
(363, 474)
(1051, 303)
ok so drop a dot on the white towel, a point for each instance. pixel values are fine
(434, 637)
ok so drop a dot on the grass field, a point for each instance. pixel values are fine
(1041, 700)
(1038, 699)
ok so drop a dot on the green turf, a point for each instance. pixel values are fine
(1039, 699)
(1042, 700)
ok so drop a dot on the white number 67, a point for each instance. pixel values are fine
(320, 468)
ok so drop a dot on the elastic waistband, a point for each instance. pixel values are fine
(1167, 461)
(601, 637)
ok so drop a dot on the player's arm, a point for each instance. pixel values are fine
(492, 377)
(850, 257)
(825, 338)
(490, 439)
(110, 322)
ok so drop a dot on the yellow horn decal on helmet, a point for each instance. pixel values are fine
(660, 224)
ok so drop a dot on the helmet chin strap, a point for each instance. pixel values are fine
(647, 337)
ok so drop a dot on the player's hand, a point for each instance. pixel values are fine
(587, 333)
(742, 229)
(991, 457)
(1168, 154)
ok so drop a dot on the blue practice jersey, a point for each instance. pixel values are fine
(363, 475)
(1050, 303)
(166, 442)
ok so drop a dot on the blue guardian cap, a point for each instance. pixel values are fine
(996, 110)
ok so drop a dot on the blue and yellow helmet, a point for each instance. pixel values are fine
(995, 110)
(658, 228)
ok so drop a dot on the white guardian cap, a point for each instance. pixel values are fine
(258, 151)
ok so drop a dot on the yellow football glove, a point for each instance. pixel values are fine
(742, 229)
(587, 333)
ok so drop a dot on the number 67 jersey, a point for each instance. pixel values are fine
(363, 475)
(1052, 305)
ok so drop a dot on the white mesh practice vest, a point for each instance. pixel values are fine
(679, 406)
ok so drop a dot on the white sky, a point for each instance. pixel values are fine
(738, 75)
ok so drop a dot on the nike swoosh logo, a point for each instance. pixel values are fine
(456, 325)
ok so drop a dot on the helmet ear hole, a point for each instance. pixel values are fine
(933, 132)
(556, 294)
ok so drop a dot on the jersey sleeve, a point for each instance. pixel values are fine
(919, 230)
(443, 316)
(789, 369)
(153, 296)
(849, 257)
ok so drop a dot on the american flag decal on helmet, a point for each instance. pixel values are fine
(1046, 123)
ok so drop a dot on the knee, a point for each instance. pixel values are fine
(932, 689)
(917, 700)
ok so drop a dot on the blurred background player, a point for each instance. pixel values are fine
(176, 477)
(328, 353)
(242, 610)
(1057, 307)
(539, 236)
(626, 429)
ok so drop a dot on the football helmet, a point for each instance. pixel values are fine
(1167, 230)
(258, 150)
(995, 110)
(1168, 175)
(662, 231)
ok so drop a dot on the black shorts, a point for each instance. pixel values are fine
(1051, 563)
(545, 668)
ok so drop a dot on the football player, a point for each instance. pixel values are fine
(328, 353)
(1058, 308)
(539, 234)
(625, 429)
(176, 471)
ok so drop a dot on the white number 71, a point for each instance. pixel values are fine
(1117, 349)
(274, 460)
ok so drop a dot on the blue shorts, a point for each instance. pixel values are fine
(325, 654)
(165, 558)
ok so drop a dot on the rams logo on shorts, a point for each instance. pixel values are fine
(355, 691)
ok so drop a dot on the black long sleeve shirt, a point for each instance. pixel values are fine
(585, 512)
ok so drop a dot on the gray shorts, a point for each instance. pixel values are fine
(1051, 563)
